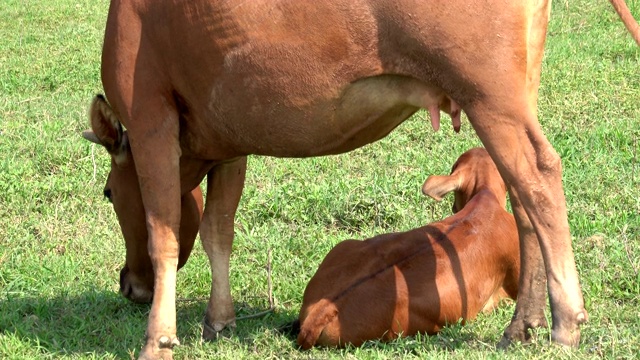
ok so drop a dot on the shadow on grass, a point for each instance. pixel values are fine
(106, 324)
(92, 322)
(450, 338)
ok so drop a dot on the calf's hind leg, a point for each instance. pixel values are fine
(225, 183)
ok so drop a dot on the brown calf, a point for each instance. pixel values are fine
(417, 281)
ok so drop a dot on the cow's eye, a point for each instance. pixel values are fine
(107, 194)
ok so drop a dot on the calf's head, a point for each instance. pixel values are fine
(123, 191)
(473, 172)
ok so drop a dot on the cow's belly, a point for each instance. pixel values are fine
(303, 119)
(291, 89)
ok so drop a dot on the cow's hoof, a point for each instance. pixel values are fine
(518, 331)
(568, 334)
(159, 354)
(570, 338)
(514, 334)
(216, 330)
(160, 349)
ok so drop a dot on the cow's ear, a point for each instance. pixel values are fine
(438, 186)
(91, 136)
(106, 129)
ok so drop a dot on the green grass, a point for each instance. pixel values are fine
(61, 248)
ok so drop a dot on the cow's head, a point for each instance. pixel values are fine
(123, 191)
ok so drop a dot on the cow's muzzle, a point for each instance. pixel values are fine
(133, 288)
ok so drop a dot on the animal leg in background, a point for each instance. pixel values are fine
(224, 188)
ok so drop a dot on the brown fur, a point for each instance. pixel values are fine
(417, 281)
(200, 84)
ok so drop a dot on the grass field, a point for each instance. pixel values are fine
(61, 248)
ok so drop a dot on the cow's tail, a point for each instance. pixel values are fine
(318, 317)
(629, 22)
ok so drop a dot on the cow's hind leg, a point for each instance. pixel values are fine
(224, 188)
(529, 164)
(505, 118)
(532, 292)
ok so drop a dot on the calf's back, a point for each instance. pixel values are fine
(413, 282)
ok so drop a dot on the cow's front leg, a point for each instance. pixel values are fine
(156, 151)
(532, 290)
(224, 188)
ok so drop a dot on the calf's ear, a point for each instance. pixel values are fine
(437, 186)
(106, 129)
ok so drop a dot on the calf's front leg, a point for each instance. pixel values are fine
(225, 183)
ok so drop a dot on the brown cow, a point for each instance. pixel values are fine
(201, 84)
(417, 281)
